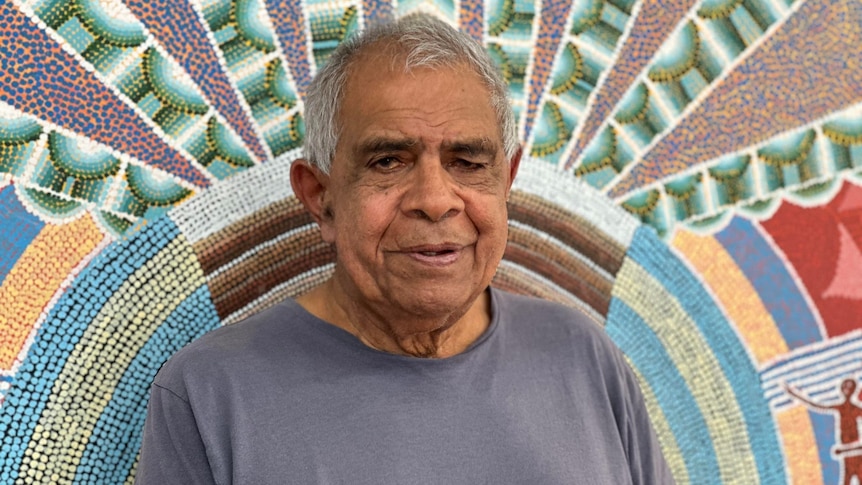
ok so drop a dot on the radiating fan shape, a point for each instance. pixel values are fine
(691, 181)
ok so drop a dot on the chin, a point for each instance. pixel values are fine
(440, 304)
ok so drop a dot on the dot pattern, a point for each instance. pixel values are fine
(43, 266)
(176, 25)
(116, 258)
(18, 228)
(83, 349)
(377, 11)
(288, 18)
(548, 39)
(471, 16)
(105, 350)
(741, 111)
(651, 26)
(62, 90)
(116, 435)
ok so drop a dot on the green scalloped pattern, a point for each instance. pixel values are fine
(251, 26)
(217, 13)
(16, 131)
(677, 56)
(642, 203)
(116, 225)
(633, 106)
(55, 12)
(501, 59)
(278, 84)
(568, 69)
(50, 204)
(759, 208)
(154, 188)
(67, 155)
(500, 14)
(711, 223)
(683, 187)
(170, 85)
(125, 31)
(551, 133)
(600, 153)
(730, 168)
(717, 9)
(788, 149)
(283, 138)
(329, 28)
(815, 191)
(227, 145)
(334, 24)
(585, 14)
(844, 130)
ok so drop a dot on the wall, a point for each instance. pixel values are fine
(692, 181)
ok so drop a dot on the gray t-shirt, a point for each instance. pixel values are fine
(543, 396)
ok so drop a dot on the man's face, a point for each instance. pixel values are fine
(417, 189)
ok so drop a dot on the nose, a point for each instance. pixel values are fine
(431, 194)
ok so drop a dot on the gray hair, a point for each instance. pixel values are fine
(422, 41)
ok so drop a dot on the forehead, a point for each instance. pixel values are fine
(440, 104)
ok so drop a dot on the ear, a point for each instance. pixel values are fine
(514, 163)
(311, 185)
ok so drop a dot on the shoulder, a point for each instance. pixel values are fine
(272, 323)
(534, 316)
(232, 348)
(565, 337)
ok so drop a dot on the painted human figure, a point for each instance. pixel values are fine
(849, 447)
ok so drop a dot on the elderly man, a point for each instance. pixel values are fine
(404, 367)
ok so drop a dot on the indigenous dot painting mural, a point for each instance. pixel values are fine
(693, 181)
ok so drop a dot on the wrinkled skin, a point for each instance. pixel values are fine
(415, 204)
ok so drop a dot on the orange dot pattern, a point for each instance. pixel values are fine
(807, 69)
(38, 274)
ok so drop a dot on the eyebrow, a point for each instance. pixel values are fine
(475, 147)
(385, 144)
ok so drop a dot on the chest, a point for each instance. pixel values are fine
(361, 429)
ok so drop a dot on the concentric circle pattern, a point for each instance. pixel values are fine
(692, 180)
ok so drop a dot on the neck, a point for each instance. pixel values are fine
(398, 332)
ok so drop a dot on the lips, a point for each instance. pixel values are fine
(432, 249)
(436, 255)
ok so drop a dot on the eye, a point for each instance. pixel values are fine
(385, 164)
(467, 165)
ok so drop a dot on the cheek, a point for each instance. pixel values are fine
(363, 221)
(491, 220)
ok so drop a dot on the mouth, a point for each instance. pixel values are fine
(436, 255)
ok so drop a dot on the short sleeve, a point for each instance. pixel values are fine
(172, 451)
